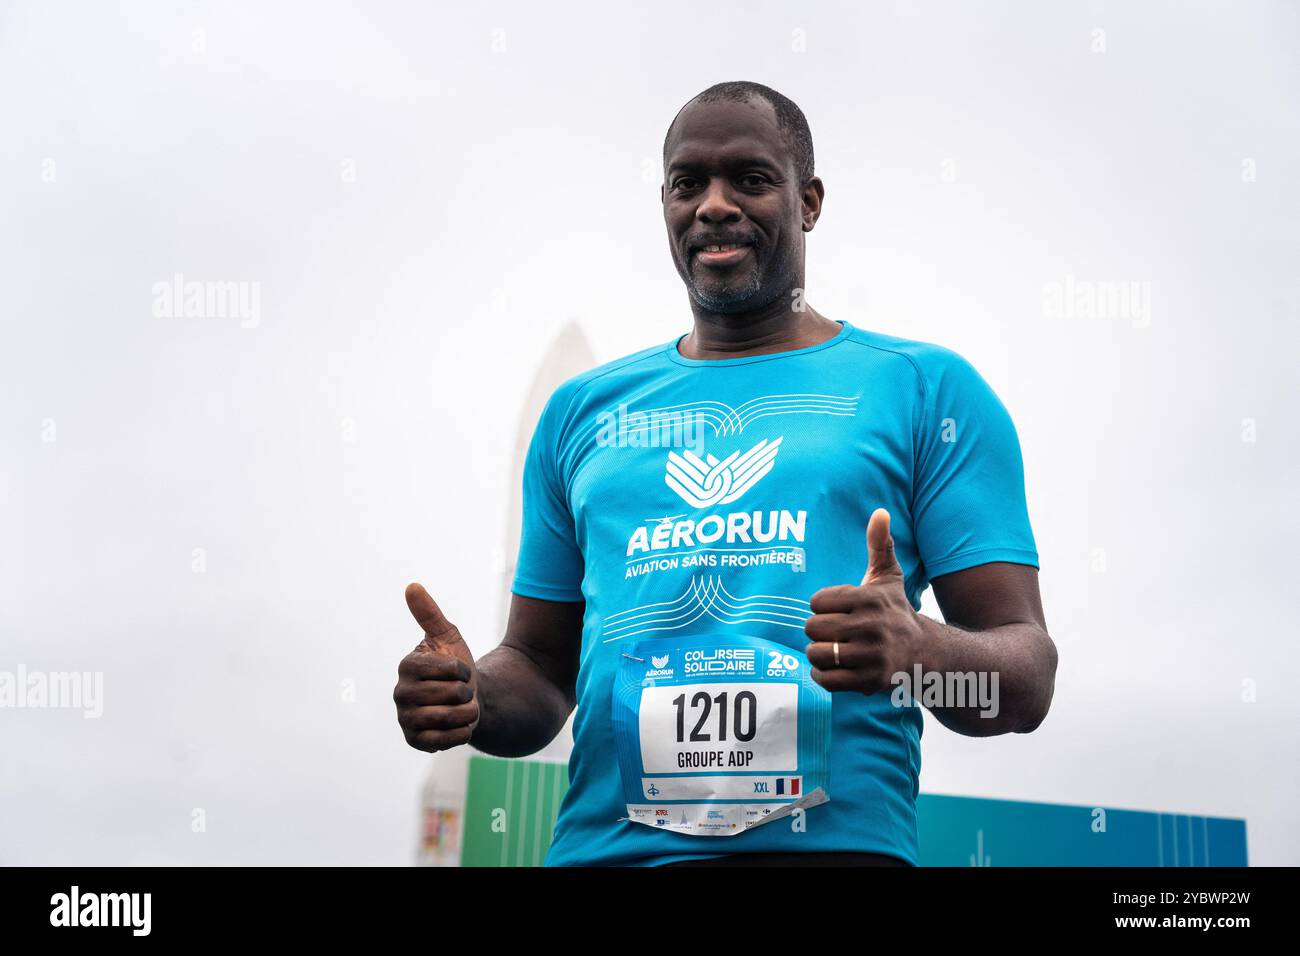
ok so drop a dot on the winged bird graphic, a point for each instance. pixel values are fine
(708, 481)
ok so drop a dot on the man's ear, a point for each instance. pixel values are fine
(814, 192)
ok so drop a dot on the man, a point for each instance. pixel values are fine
(691, 568)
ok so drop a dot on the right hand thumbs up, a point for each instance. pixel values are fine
(437, 683)
(440, 635)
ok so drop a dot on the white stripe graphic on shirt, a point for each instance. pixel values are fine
(707, 595)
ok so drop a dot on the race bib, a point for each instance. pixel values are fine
(717, 735)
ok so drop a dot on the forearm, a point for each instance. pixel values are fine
(1014, 665)
(521, 708)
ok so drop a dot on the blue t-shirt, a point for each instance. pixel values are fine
(671, 493)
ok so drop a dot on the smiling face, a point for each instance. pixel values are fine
(734, 207)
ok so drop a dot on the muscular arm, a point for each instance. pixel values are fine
(526, 685)
(995, 623)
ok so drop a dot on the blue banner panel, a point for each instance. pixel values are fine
(968, 831)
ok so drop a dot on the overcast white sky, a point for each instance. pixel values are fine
(425, 195)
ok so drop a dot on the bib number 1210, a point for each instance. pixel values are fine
(739, 712)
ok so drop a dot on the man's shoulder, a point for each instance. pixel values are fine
(937, 368)
(601, 380)
(948, 380)
(927, 357)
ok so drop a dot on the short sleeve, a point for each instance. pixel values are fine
(550, 565)
(968, 503)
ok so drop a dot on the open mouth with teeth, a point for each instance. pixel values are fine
(724, 254)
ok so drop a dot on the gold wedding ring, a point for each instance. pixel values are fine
(836, 648)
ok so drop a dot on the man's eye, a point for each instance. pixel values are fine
(755, 179)
(683, 182)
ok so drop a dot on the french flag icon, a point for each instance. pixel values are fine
(787, 785)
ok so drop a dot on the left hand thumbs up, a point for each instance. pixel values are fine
(882, 566)
(863, 634)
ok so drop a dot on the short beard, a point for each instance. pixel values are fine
(735, 300)
(754, 294)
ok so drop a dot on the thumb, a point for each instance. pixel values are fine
(439, 633)
(881, 563)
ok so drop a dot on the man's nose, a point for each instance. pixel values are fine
(717, 205)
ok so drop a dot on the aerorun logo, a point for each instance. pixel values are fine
(658, 668)
(702, 482)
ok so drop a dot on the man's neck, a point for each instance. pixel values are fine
(779, 329)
